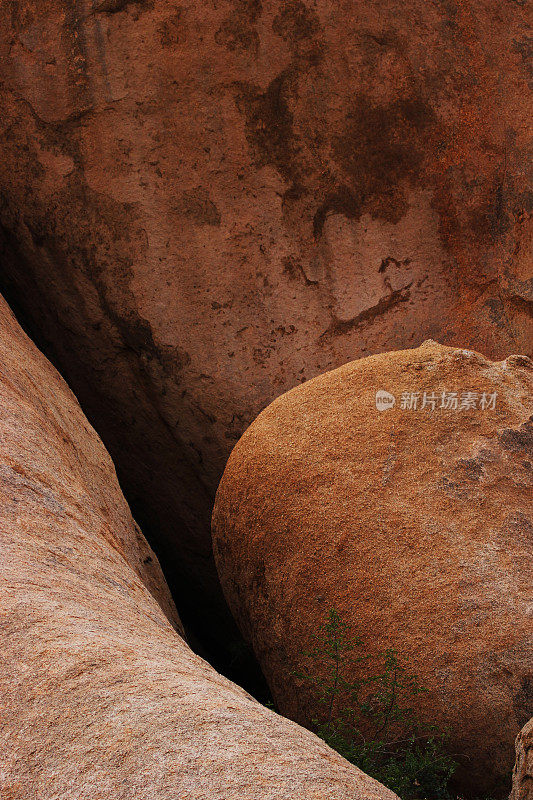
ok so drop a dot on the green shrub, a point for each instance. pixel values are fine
(369, 720)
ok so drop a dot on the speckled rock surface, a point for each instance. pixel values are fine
(211, 202)
(100, 697)
(523, 769)
(416, 525)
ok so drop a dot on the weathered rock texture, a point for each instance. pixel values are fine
(523, 769)
(99, 695)
(211, 202)
(417, 526)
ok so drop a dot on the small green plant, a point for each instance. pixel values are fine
(369, 719)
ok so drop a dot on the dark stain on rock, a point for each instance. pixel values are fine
(518, 441)
(497, 313)
(238, 31)
(520, 525)
(137, 335)
(114, 6)
(524, 202)
(524, 47)
(369, 167)
(107, 243)
(339, 201)
(172, 30)
(523, 700)
(269, 125)
(453, 488)
(386, 262)
(382, 152)
(22, 16)
(469, 469)
(300, 27)
(525, 306)
(198, 206)
(490, 221)
(294, 270)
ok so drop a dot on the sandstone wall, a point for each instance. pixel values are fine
(211, 202)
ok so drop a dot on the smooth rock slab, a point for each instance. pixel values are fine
(100, 697)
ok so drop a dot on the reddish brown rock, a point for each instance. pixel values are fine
(211, 202)
(99, 695)
(416, 525)
(523, 768)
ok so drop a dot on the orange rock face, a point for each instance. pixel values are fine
(99, 695)
(523, 769)
(210, 202)
(415, 524)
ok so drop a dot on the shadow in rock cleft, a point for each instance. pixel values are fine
(142, 448)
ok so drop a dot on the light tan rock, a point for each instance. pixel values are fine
(523, 768)
(100, 697)
(213, 201)
(416, 525)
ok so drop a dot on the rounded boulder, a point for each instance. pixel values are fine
(411, 517)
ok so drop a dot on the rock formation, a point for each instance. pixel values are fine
(415, 523)
(523, 769)
(204, 204)
(100, 697)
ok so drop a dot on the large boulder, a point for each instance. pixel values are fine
(415, 524)
(100, 697)
(523, 768)
(209, 203)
